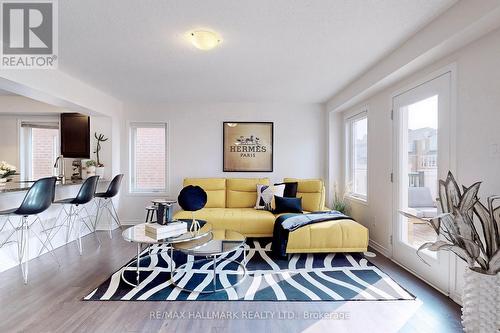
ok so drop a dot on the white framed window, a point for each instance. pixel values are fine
(40, 144)
(357, 155)
(148, 158)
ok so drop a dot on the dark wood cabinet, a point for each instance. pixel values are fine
(75, 135)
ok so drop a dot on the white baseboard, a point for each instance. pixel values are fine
(383, 250)
(421, 278)
(456, 297)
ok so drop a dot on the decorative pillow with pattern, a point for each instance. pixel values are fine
(265, 196)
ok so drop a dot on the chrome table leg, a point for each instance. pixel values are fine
(138, 260)
(245, 254)
(171, 260)
(215, 273)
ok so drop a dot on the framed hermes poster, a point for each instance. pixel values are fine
(248, 146)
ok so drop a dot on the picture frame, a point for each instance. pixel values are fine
(248, 146)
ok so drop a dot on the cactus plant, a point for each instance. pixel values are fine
(100, 138)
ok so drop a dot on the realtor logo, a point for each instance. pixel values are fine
(29, 34)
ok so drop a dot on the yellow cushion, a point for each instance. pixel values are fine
(215, 188)
(331, 236)
(242, 192)
(248, 221)
(312, 192)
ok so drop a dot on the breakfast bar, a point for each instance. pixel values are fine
(11, 196)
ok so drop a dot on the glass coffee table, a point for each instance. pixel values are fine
(137, 234)
(214, 248)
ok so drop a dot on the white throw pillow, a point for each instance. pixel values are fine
(265, 195)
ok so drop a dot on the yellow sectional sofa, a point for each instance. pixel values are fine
(231, 203)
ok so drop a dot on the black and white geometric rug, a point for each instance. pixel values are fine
(306, 277)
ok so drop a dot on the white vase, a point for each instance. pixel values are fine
(481, 302)
(99, 171)
(90, 171)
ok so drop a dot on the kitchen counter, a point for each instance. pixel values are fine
(20, 186)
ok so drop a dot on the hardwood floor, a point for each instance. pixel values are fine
(52, 302)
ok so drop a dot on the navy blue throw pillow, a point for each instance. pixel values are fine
(192, 198)
(287, 205)
(290, 189)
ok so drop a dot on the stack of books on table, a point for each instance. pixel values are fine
(172, 229)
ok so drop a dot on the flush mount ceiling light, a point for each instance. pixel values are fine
(204, 40)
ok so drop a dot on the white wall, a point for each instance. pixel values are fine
(9, 138)
(477, 134)
(195, 139)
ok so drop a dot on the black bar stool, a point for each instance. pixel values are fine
(38, 199)
(74, 218)
(104, 200)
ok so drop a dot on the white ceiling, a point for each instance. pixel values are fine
(6, 93)
(273, 50)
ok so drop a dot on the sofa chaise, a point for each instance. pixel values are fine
(231, 203)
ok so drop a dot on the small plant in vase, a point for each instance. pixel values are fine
(6, 171)
(99, 167)
(470, 229)
(339, 200)
(91, 165)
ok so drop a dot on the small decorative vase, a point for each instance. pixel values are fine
(160, 215)
(99, 171)
(90, 171)
(481, 302)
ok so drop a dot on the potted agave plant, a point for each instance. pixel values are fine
(6, 171)
(470, 229)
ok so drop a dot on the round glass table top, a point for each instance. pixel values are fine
(223, 241)
(137, 234)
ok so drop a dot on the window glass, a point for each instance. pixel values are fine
(148, 158)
